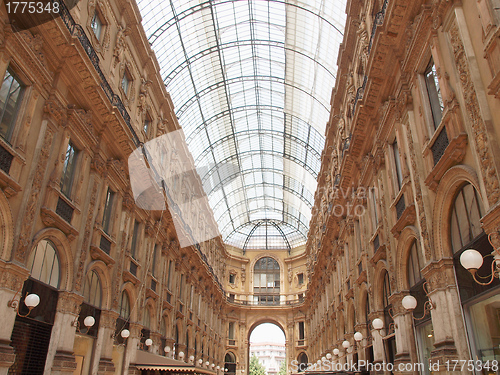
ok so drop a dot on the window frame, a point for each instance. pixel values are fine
(433, 94)
(398, 166)
(135, 240)
(18, 104)
(126, 77)
(67, 190)
(108, 211)
(98, 32)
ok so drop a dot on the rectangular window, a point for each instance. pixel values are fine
(108, 208)
(68, 169)
(96, 25)
(135, 236)
(301, 331)
(373, 197)
(397, 162)
(154, 260)
(357, 230)
(434, 93)
(181, 287)
(232, 278)
(11, 94)
(169, 277)
(300, 276)
(147, 124)
(231, 331)
(125, 82)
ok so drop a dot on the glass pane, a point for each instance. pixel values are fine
(484, 323)
(68, 170)
(44, 263)
(10, 97)
(241, 105)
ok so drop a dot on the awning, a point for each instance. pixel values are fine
(149, 361)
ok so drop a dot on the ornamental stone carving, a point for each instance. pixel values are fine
(488, 170)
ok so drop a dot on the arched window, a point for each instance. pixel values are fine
(122, 322)
(480, 302)
(389, 340)
(43, 263)
(92, 290)
(303, 361)
(414, 265)
(91, 305)
(230, 363)
(465, 218)
(146, 329)
(124, 309)
(386, 292)
(266, 286)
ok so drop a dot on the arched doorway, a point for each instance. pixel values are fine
(267, 349)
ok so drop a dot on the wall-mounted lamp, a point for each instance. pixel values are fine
(336, 351)
(377, 324)
(181, 355)
(358, 336)
(410, 303)
(200, 361)
(191, 358)
(207, 363)
(472, 260)
(346, 344)
(31, 301)
(148, 342)
(125, 333)
(167, 349)
(328, 356)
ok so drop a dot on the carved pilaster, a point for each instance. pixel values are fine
(86, 237)
(478, 127)
(418, 196)
(30, 211)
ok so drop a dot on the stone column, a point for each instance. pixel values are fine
(155, 348)
(131, 349)
(60, 357)
(12, 279)
(169, 342)
(447, 321)
(102, 363)
(377, 338)
(405, 338)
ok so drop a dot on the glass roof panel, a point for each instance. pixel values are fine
(251, 82)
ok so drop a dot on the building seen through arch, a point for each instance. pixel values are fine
(175, 174)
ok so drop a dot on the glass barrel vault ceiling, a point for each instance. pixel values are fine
(251, 82)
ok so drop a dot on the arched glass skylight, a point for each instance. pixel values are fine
(251, 82)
